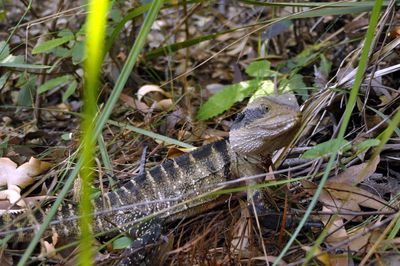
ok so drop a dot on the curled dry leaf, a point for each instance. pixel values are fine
(19, 177)
(149, 88)
(48, 250)
(13, 195)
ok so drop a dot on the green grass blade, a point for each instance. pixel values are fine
(128, 66)
(151, 134)
(28, 8)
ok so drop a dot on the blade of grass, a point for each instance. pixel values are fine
(131, 15)
(126, 70)
(151, 134)
(105, 158)
(317, 11)
(95, 36)
(19, 22)
(313, 4)
(346, 118)
(385, 118)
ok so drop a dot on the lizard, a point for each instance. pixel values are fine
(171, 190)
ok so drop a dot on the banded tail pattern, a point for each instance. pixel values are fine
(161, 187)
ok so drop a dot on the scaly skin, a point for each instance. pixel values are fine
(266, 124)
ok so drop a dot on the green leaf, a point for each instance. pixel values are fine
(150, 134)
(62, 52)
(3, 79)
(23, 65)
(122, 243)
(51, 44)
(306, 57)
(14, 59)
(266, 89)
(27, 92)
(325, 66)
(120, 26)
(70, 90)
(260, 69)
(52, 83)
(115, 15)
(78, 53)
(224, 99)
(66, 33)
(366, 144)
(4, 50)
(326, 148)
(294, 84)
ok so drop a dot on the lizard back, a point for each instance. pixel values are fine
(160, 188)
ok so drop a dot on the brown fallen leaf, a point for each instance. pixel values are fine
(164, 105)
(176, 151)
(357, 195)
(355, 174)
(341, 198)
(133, 103)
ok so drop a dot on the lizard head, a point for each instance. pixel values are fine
(266, 124)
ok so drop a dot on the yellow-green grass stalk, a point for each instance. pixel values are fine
(100, 122)
(95, 36)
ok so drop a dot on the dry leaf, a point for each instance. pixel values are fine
(177, 151)
(339, 259)
(13, 195)
(149, 88)
(363, 238)
(48, 250)
(357, 195)
(357, 173)
(340, 198)
(6, 260)
(241, 233)
(337, 232)
(133, 103)
(164, 105)
(7, 207)
(17, 178)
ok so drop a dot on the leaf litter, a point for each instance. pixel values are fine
(313, 57)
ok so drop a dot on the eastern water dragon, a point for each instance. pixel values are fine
(170, 190)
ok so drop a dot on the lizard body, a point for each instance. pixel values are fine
(266, 124)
